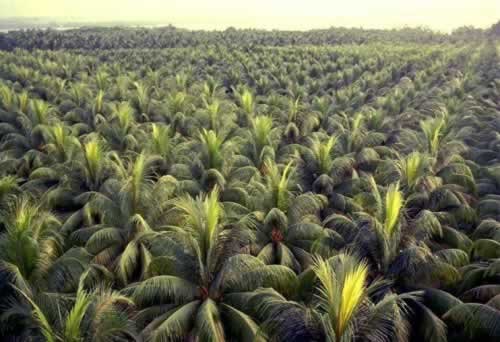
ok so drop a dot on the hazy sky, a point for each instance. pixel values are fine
(269, 14)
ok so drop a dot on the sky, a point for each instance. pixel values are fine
(442, 15)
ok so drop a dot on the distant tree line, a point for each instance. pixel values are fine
(169, 36)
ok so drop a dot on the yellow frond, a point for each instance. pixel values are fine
(353, 293)
(393, 205)
(413, 167)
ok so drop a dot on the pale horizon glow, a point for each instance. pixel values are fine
(442, 15)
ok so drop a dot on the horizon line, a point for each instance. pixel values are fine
(62, 20)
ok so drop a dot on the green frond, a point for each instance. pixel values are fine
(413, 167)
(178, 324)
(213, 212)
(262, 127)
(202, 217)
(477, 319)
(128, 262)
(93, 154)
(164, 289)
(73, 323)
(485, 249)
(247, 102)
(41, 111)
(42, 321)
(433, 131)
(212, 145)
(8, 184)
(208, 324)
(239, 323)
(328, 288)
(124, 114)
(379, 205)
(323, 153)
(161, 140)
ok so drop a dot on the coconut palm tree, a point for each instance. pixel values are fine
(319, 164)
(124, 211)
(119, 128)
(97, 315)
(343, 306)
(197, 277)
(30, 244)
(261, 141)
(395, 245)
(342, 295)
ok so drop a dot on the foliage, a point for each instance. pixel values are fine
(171, 185)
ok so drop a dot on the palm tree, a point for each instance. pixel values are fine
(125, 210)
(31, 244)
(261, 141)
(93, 164)
(274, 189)
(25, 131)
(319, 162)
(281, 242)
(60, 144)
(345, 306)
(8, 188)
(35, 262)
(198, 279)
(142, 100)
(165, 186)
(164, 143)
(247, 102)
(212, 155)
(98, 315)
(119, 128)
(8, 98)
(395, 246)
(213, 163)
(77, 93)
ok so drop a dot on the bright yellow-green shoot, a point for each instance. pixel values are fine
(393, 205)
(353, 293)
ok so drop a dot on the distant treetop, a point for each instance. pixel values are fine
(91, 38)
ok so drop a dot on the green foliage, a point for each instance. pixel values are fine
(253, 190)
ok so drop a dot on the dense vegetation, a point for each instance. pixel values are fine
(213, 192)
(90, 38)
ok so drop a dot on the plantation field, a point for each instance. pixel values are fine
(250, 186)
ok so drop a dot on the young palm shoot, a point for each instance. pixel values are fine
(142, 99)
(262, 129)
(214, 112)
(293, 110)
(98, 107)
(343, 302)
(323, 153)
(248, 102)
(433, 132)
(7, 98)
(413, 168)
(41, 111)
(60, 142)
(93, 162)
(212, 149)
(161, 141)
(278, 184)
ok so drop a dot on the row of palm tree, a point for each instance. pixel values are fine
(92, 38)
